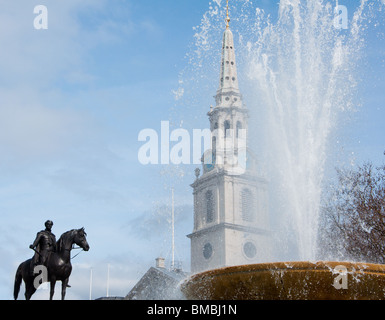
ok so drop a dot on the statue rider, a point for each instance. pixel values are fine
(44, 244)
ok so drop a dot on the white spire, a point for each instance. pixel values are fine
(228, 84)
(229, 77)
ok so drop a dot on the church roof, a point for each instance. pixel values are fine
(158, 284)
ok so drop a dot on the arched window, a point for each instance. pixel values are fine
(226, 127)
(214, 138)
(214, 144)
(239, 127)
(247, 206)
(209, 206)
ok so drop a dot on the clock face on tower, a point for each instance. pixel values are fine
(207, 251)
(249, 250)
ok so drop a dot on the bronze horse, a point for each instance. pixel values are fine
(58, 266)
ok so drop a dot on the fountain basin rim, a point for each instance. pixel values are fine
(291, 280)
(292, 265)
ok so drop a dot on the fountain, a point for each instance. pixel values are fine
(301, 71)
(290, 281)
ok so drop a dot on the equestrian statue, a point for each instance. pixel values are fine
(51, 261)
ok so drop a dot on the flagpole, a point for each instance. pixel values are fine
(91, 283)
(173, 231)
(108, 280)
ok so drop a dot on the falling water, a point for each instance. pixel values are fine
(299, 73)
(303, 71)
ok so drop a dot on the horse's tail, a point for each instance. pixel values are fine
(18, 279)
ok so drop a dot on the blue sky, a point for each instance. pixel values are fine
(73, 99)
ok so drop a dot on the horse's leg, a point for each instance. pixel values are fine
(27, 293)
(52, 289)
(64, 284)
(29, 289)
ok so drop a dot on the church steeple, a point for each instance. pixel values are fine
(228, 83)
(230, 199)
(230, 115)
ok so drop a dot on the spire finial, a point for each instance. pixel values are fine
(227, 14)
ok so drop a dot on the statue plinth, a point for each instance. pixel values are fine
(321, 280)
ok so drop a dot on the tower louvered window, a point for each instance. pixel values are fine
(209, 206)
(247, 206)
(239, 127)
(227, 128)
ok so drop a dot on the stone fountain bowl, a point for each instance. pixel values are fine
(320, 280)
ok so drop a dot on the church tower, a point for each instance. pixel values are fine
(230, 198)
